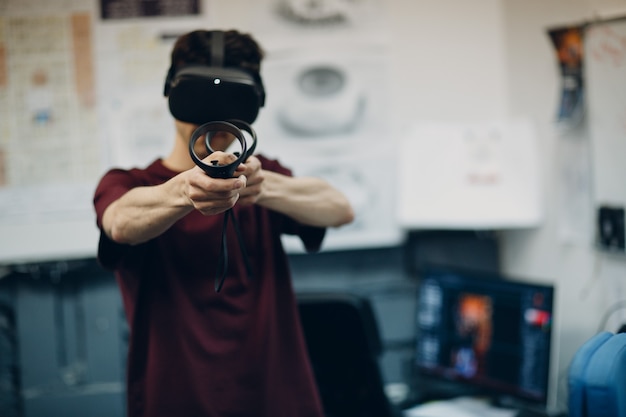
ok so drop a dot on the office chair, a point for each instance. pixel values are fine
(597, 377)
(344, 345)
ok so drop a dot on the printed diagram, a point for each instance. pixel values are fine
(325, 116)
(40, 60)
(48, 119)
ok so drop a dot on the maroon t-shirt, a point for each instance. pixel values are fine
(194, 352)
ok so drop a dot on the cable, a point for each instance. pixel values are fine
(216, 170)
(607, 314)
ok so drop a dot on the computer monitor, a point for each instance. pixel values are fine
(485, 335)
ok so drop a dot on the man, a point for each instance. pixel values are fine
(194, 351)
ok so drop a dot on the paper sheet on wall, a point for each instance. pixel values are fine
(470, 176)
(606, 71)
(76, 97)
(47, 100)
(49, 147)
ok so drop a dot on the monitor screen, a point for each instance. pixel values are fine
(490, 333)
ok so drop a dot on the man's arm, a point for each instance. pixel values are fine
(146, 212)
(308, 200)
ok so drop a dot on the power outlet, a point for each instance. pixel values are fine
(611, 232)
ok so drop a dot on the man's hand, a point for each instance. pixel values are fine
(214, 195)
(252, 172)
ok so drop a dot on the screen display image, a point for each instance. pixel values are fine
(492, 334)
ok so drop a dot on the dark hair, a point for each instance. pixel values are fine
(240, 50)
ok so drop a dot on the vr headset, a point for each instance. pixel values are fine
(200, 94)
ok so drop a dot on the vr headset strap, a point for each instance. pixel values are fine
(217, 48)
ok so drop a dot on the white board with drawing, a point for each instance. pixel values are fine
(470, 176)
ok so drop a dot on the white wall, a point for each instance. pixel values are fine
(447, 60)
(587, 281)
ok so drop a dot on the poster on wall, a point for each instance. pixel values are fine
(326, 111)
(47, 112)
(568, 44)
(78, 95)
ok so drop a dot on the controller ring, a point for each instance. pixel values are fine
(245, 126)
(219, 171)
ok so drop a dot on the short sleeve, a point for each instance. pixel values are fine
(112, 186)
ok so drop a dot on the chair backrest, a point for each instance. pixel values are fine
(344, 345)
(597, 377)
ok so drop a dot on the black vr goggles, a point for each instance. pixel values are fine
(199, 93)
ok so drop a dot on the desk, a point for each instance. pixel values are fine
(465, 406)
(459, 407)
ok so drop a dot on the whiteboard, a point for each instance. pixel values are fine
(605, 74)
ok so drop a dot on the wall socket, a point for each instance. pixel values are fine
(611, 230)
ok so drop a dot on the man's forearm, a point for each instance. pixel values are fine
(144, 213)
(308, 200)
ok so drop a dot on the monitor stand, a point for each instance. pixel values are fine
(430, 388)
(525, 410)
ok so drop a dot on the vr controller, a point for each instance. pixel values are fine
(201, 137)
(205, 133)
